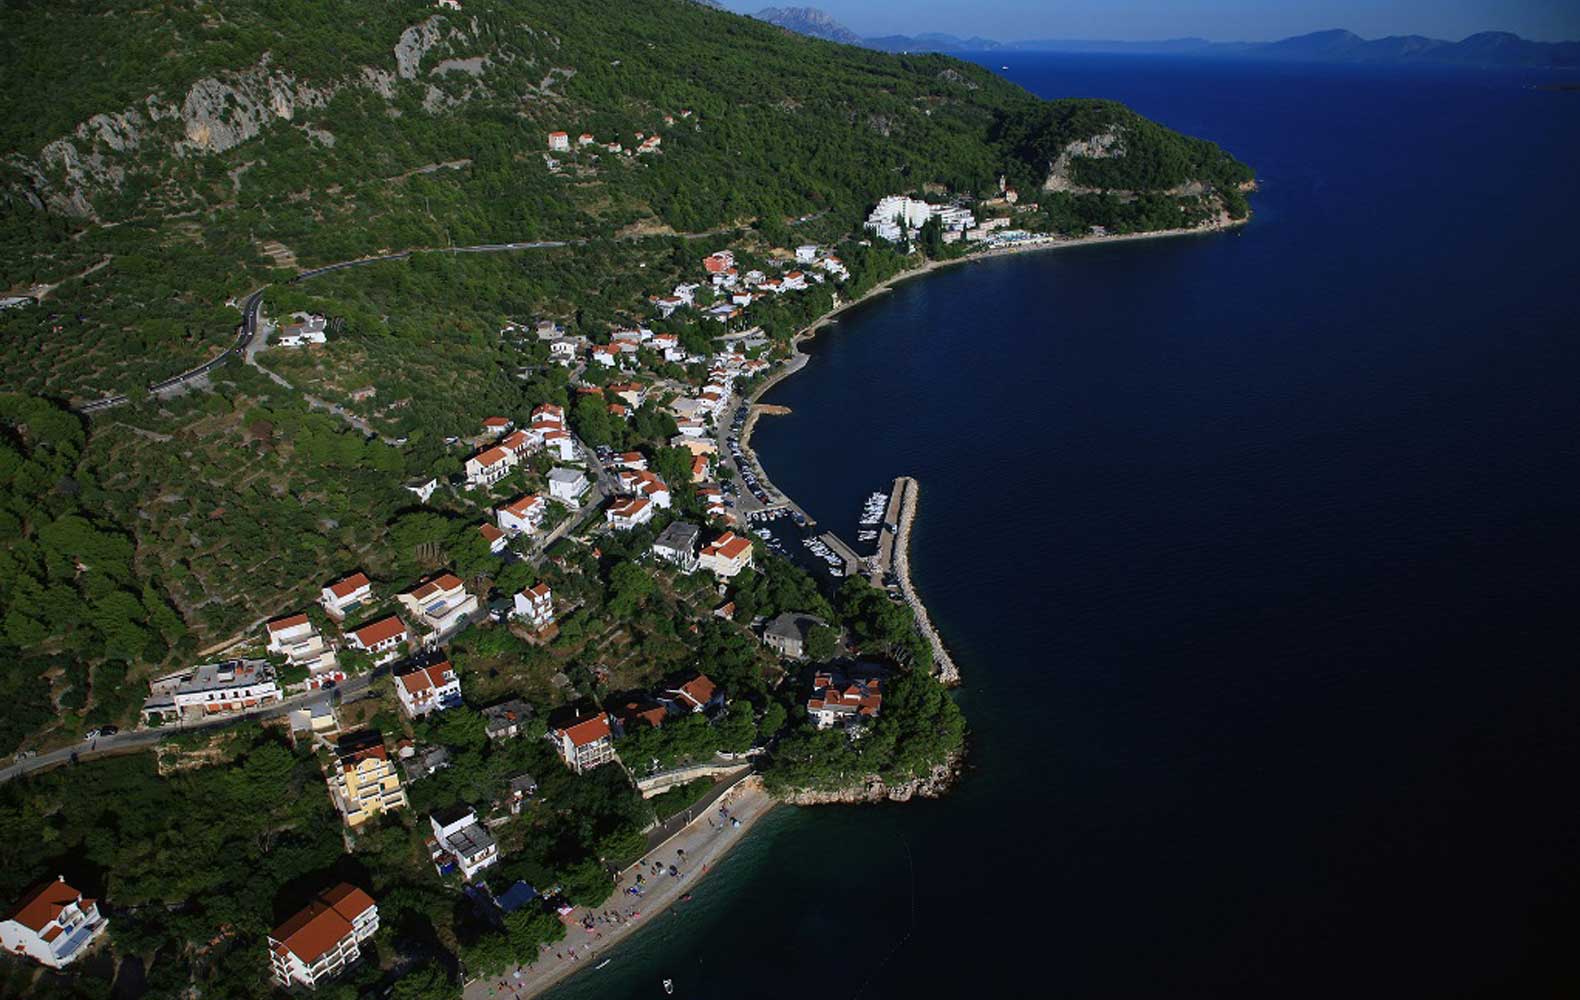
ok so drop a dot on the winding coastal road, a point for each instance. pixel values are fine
(353, 689)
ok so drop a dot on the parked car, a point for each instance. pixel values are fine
(109, 730)
(91, 734)
(26, 754)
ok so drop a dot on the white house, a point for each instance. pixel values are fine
(53, 925)
(625, 513)
(548, 413)
(677, 545)
(607, 355)
(568, 485)
(441, 604)
(383, 640)
(461, 843)
(561, 444)
(316, 944)
(298, 641)
(535, 606)
(497, 540)
(519, 443)
(712, 499)
(641, 483)
(346, 595)
(806, 253)
(213, 689)
(843, 703)
(489, 466)
(423, 487)
(523, 514)
(559, 142)
(699, 694)
(306, 330)
(428, 689)
(726, 555)
(585, 743)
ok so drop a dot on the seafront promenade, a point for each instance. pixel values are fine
(694, 851)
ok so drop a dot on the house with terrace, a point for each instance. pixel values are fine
(460, 843)
(53, 924)
(346, 596)
(625, 513)
(677, 545)
(522, 515)
(384, 639)
(489, 466)
(363, 782)
(427, 689)
(568, 485)
(842, 703)
(535, 606)
(440, 605)
(322, 939)
(726, 555)
(298, 641)
(585, 741)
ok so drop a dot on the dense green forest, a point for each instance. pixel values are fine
(179, 158)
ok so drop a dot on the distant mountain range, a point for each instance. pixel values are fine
(810, 21)
(1489, 48)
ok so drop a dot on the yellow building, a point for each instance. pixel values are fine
(363, 781)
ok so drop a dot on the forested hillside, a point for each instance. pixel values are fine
(161, 160)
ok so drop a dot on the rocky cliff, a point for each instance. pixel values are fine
(873, 788)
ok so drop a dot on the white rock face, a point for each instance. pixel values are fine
(1101, 146)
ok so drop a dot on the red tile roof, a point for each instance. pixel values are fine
(728, 546)
(281, 624)
(437, 585)
(44, 905)
(490, 533)
(492, 456)
(323, 923)
(589, 730)
(699, 690)
(350, 585)
(376, 632)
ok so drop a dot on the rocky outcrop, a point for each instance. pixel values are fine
(217, 115)
(221, 112)
(873, 788)
(1104, 145)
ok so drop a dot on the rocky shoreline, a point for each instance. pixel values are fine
(873, 788)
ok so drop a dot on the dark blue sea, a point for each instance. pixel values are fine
(1258, 552)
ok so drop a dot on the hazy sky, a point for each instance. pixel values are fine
(1219, 20)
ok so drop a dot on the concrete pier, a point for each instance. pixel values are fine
(853, 562)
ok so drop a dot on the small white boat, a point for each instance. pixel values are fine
(669, 986)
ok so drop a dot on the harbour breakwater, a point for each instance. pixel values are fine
(943, 664)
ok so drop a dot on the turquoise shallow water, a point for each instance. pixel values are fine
(1258, 554)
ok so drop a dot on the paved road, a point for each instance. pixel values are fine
(354, 689)
(249, 328)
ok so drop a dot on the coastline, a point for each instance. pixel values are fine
(749, 800)
(949, 673)
(705, 841)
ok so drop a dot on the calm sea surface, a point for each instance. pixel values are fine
(1259, 554)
